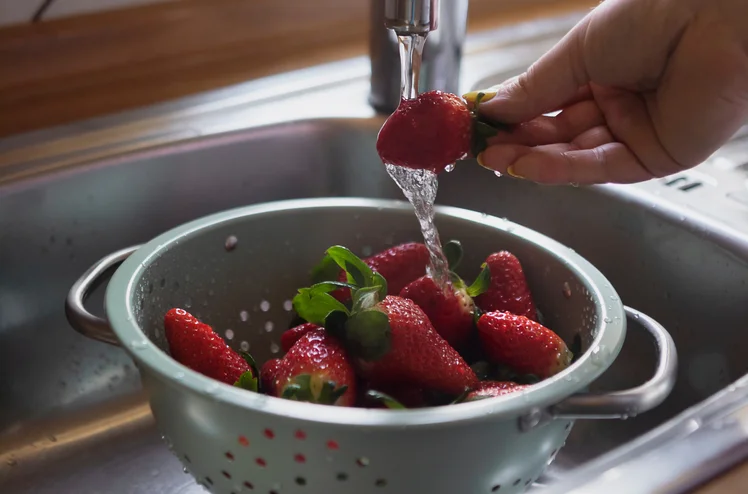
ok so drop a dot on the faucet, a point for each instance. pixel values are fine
(445, 24)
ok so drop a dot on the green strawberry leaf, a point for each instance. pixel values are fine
(461, 398)
(368, 334)
(378, 280)
(335, 323)
(365, 298)
(326, 270)
(251, 361)
(315, 305)
(358, 271)
(385, 399)
(453, 252)
(330, 393)
(481, 283)
(482, 130)
(247, 381)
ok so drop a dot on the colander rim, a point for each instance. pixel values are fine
(610, 328)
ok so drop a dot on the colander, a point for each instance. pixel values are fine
(238, 270)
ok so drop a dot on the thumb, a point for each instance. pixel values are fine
(548, 85)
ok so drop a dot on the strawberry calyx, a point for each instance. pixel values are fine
(305, 387)
(482, 130)
(385, 399)
(249, 379)
(454, 254)
(362, 327)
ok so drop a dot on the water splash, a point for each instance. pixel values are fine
(420, 187)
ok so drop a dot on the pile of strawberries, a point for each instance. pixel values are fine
(379, 332)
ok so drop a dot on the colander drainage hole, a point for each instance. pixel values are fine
(381, 483)
(527, 482)
(261, 462)
(496, 488)
(332, 445)
(342, 477)
(362, 461)
(517, 482)
(249, 485)
(187, 459)
(300, 480)
(269, 433)
(208, 481)
(229, 455)
(300, 458)
(299, 434)
(243, 441)
(226, 474)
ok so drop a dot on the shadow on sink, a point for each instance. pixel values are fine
(71, 408)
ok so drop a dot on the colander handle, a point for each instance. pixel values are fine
(628, 403)
(78, 316)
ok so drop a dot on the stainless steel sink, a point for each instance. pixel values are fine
(72, 417)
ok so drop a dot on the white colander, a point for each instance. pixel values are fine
(238, 270)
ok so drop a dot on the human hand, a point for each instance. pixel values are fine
(646, 88)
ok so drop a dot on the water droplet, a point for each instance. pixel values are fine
(186, 277)
(52, 438)
(636, 316)
(269, 326)
(211, 293)
(179, 376)
(498, 174)
(613, 298)
(449, 168)
(264, 306)
(184, 469)
(139, 344)
(274, 348)
(367, 250)
(11, 462)
(608, 320)
(287, 305)
(211, 388)
(244, 316)
(188, 303)
(154, 473)
(212, 281)
(596, 356)
(231, 243)
(229, 334)
(244, 345)
(566, 289)
(574, 184)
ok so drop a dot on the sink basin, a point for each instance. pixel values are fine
(72, 415)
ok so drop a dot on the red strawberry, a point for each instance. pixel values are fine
(268, 372)
(316, 369)
(399, 265)
(492, 389)
(291, 336)
(417, 354)
(429, 132)
(508, 290)
(450, 312)
(526, 346)
(195, 345)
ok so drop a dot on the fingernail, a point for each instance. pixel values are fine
(479, 159)
(472, 96)
(512, 172)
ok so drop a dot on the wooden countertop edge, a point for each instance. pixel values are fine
(76, 68)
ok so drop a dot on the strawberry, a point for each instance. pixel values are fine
(316, 369)
(291, 336)
(399, 265)
(391, 338)
(524, 345)
(195, 345)
(431, 132)
(508, 291)
(451, 311)
(492, 389)
(268, 372)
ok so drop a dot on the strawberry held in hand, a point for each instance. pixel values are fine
(316, 369)
(431, 132)
(525, 346)
(195, 345)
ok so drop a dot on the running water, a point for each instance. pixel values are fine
(419, 186)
